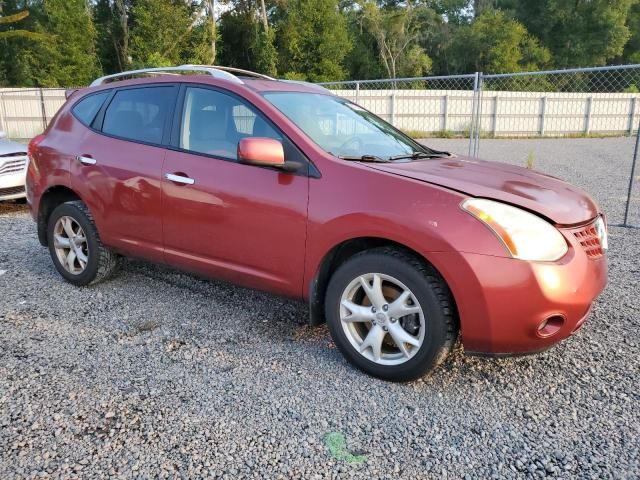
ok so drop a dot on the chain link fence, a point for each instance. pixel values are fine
(577, 103)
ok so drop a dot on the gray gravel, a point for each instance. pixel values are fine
(160, 374)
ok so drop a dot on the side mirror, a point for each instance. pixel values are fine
(261, 151)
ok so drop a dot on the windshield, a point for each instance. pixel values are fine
(342, 128)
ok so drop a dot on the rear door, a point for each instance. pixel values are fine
(243, 223)
(118, 167)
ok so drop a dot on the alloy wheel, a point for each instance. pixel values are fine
(382, 319)
(70, 244)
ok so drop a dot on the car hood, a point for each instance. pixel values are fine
(8, 147)
(550, 197)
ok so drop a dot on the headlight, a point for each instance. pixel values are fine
(525, 235)
(601, 232)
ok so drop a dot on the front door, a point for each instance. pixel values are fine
(242, 223)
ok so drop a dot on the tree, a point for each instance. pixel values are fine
(312, 40)
(7, 21)
(579, 33)
(67, 58)
(169, 32)
(397, 31)
(495, 43)
(631, 52)
(112, 26)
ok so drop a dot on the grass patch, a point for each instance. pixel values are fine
(337, 446)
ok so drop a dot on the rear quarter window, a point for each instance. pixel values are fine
(87, 108)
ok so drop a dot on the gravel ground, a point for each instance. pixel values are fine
(160, 374)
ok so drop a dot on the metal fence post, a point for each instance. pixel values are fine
(543, 112)
(357, 92)
(474, 103)
(631, 179)
(44, 110)
(494, 127)
(393, 108)
(3, 124)
(476, 146)
(632, 114)
(445, 125)
(587, 121)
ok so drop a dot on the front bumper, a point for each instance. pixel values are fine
(13, 174)
(503, 301)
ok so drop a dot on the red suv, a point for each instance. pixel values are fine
(284, 187)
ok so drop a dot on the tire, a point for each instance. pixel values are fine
(432, 323)
(100, 262)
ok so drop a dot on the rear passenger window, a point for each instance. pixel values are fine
(87, 108)
(139, 113)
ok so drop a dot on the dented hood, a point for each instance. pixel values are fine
(550, 197)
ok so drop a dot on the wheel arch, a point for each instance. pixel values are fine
(339, 254)
(50, 199)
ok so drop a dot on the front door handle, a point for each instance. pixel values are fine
(86, 160)
(172, 177)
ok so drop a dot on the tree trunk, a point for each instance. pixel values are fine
(212, 25)
(263, 12)
(123, 54)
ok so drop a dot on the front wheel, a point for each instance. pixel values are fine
(391, 314)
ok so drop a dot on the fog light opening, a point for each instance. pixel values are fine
(550, 326)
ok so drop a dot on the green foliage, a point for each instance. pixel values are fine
(578, 33)
(265, 53)
(66, 58)
(159, 30)
(495, 43)
(313, 40)
(397, 32)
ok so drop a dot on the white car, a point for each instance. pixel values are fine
(13, 169)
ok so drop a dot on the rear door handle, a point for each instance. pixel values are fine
(172, 177)
(86, 160)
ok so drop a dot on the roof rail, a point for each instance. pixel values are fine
(217, 72)
(240, 71)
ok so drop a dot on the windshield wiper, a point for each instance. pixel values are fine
(416, 155)
(364, 158)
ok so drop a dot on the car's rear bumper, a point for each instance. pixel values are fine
(502, 302)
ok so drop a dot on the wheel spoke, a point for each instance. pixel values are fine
(68, 227)
(374, 292)
(70, 261)
(399, 307)
(374, 340)
(401, 337)
(82, 258)
(61, 242)
(358, 313)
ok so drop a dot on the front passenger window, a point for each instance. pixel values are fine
(213, 123)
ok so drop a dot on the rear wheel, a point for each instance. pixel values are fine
(75, 246)
(390, 314)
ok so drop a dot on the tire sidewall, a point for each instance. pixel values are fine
(435, 324)
(91, 270)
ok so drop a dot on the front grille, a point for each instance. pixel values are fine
(589, 240)
(14, 165)
(4, 192)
